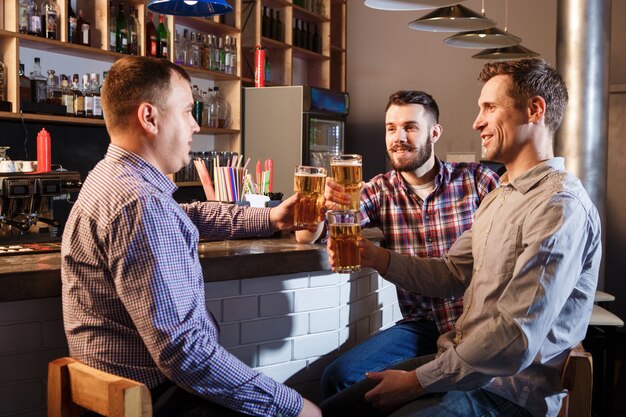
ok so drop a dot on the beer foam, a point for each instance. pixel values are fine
(304, 174)
(354, 163)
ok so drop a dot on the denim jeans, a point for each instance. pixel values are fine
(391, 346)
(350, 402)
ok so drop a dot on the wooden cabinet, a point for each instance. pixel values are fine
(12, 44)
(292, 61)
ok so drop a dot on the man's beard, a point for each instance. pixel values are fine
(420, 157)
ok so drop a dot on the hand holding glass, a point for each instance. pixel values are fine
(347, 170)
(309, 182)
(345, 229)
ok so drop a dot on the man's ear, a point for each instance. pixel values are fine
(435, 132)
(147, 114)
(536, 109)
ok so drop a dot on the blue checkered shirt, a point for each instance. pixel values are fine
(133, 291)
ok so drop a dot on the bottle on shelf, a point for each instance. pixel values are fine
(280, 28)
(217, 54)
(3, 81)
(206, 55)
(223, 109)
(22, 10)
(121, 34)
(67, 96)
(87, 97)
(268, 70)
(94, 85)
(34, 19)
(316, 45)
(206, 100)
(195, 51)
(162, 39)
(25, 86)
(38, 83)
(112, 28)
(83, 29)
(133, 31)
(265, 23)
(151, 37)
(53, 92)
(197, 105)
(222, 52)
(79, 99)
(72, 24)
(227, 56)
(233, 57)
(186, 49)
(295, 37)
(272, 34)
(178, 57)
(50, 15)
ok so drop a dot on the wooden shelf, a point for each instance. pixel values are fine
(206, 25)
(304, 14)
(216, 131)
(308, 55)
(335, 48)
(188, 184)
(210, 75)
(270, 43)
(48, 118)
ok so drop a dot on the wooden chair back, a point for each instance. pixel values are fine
(72, 385)
(577, 379)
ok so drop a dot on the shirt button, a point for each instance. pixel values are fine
(427, 217)
(429, 240)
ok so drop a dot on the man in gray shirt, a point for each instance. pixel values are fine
(528, 269)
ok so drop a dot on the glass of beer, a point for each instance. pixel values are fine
(347, 170)
(309, 182)
(345, 229)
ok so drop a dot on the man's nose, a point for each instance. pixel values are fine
(478, 123)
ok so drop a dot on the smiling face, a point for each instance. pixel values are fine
(502, 125)
(176, 126)
(411, 132)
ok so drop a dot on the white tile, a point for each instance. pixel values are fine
(240, 308)
(362, 329)
(266, 285)
(324, 320)
(274, 329)
(215, 307)
(275, 352)
(315, 345)
(276, 304)
(362, 286)
(363, 307)
(345, 292)
(324, 278)
(376, 321)
(246, 354)
(346, 337)
(344, 315)
(387, 315)
(316, 299)
(220, 289)
(387, 295)
(229, 334)
(397, 313)
(282, 372)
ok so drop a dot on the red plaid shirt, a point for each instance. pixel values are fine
(427, 228)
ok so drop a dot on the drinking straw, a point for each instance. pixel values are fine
(205, 179)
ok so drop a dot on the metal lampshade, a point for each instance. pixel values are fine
(505, 54)
(190, 7)
(399, 5)
(452, 19)
(481, 39)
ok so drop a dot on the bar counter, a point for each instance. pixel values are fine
(25, 277)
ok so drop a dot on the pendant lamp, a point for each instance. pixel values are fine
(190, 7)
(452, 19)
(399, 5)
(481, 39)
(506, 54)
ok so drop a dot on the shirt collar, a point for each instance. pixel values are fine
(531, 177)
(443, 175)
(148, 172)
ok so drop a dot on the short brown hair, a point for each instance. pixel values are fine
(532, 77)
(133, 80)
(404, 97)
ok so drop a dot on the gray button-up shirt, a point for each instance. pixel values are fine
(529, 270)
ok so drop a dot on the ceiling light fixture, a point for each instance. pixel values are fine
(506, 54)
(452, 19)
(488, 38)
(190, 7)
(399, 5)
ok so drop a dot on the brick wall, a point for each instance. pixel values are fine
(288, 327)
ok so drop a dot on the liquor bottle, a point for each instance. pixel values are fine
(50, 13)
(67, 96)
(195, 51)
(206, 56)
(79, 99)
(94, 87)
(197, 105)
(121, 34)
(280, 28)
(83, 30)
(23, 16)
(162, 39)
(222, 50)
(72, 24)
(25, 87)
(295, 35)
(233, 57)
(223, 109)
(227, 55)
(316, 45)
(265, 23)
(272, 25)
(112, 28)
(53, 93)
(151, 37)
(38, 83)
(178, 57)
(34, 19)
(268, 70)
(133, 27)
(217, 54)
(185, 47)
(309, 38)
(3, 81)
(87, 97)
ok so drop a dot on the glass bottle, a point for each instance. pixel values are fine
(50, 13)
(79, 98)
(223, 109)
(151, 37)
(272, 33)
(178, 57)
(3, 81)
(72, 24)
(197, 105)
(315, 43)
(222, 50)
(67, 96)
(94, 87)
(87, 97)
(52, 91)
(268, 70)
(265, 23)
(217, 53)
(280, 28)
(34, 19)
(23, 16)
(112, 28)
(38, 83)
(206, 53)
(212, 121)
(121, 34)
(25, 87)
(162, 39)
(227, 55)
(83, 30)
(133, 27)
(233, 57)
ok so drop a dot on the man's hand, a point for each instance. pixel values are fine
(395, 388)
(371, 255)
(282, 216)
(335, 194)
(309, 409)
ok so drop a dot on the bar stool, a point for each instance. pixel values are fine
(72, 385)
(577, 379)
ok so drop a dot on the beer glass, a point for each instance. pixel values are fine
(347, 170)
(309, 182)
(345, 229)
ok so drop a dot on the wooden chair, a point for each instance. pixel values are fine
(577, 379)
(72, 385)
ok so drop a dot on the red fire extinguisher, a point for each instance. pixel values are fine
(259, 66)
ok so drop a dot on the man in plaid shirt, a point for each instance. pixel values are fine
(422, 206)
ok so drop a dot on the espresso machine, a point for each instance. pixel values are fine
(27, 202)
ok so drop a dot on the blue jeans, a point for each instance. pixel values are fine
(391, 346)
(351, 402)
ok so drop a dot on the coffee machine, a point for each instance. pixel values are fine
(27, 201)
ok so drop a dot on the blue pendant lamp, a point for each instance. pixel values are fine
(190, 7)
